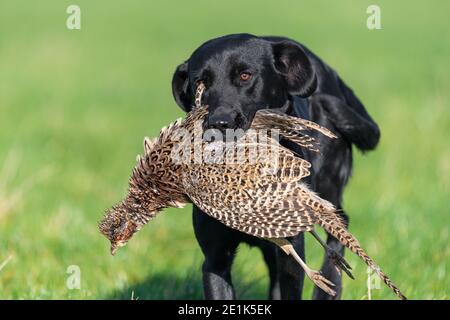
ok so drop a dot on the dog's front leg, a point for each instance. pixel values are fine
(218, 244)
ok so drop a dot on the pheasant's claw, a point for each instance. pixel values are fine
(322, 282)
(340, 262)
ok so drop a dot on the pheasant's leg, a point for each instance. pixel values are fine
(338, 260)
(314, 275)
(292, 278)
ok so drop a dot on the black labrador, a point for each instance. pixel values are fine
(242, 74)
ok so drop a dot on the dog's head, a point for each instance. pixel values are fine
(242, 74)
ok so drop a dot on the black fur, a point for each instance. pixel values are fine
(285, 75)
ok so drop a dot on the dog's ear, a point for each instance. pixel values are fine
(180, 87)
(292, 63)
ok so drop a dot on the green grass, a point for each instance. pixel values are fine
(75, 105)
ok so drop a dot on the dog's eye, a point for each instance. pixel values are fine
(245, 76)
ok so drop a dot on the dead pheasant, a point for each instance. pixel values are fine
(260, 193)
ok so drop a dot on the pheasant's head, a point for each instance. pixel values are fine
(123, 220)
(153, 186)
(119, 224)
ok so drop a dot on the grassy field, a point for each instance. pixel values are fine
(75, 106)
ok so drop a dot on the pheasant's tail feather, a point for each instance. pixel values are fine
(348, 240)
(318, 204)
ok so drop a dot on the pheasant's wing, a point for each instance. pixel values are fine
(267, 118)
(276, 211)
(265, 212)
(253, 198)
(291, 128)
(258, 162)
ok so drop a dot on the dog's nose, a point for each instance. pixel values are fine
(221, 122)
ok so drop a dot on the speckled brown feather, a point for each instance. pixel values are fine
(255, 197)
(294, 129)
(348, 240)
(276, 205)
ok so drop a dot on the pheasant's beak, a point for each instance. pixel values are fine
(113, 248)
(116, 245)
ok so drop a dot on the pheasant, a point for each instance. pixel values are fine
(259, 193)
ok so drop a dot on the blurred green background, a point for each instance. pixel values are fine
(76, 104)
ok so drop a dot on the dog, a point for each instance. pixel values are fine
(243, 73)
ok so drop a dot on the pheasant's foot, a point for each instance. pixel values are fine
(339, 262)
(320, 281)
